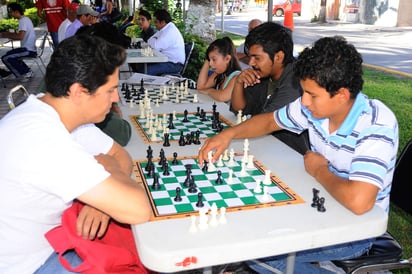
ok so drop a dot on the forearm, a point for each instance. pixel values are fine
(124, 159)
(238, 99)
(217, 95)
(256, 126)
(202, 79)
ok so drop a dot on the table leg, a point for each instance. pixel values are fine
(207, 270)
(145, 68)
(290, 263)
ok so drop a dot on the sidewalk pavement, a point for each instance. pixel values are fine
(385, 48)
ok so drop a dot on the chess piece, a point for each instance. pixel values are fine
(203, 219)
(185, 114)
(193, 227)
(219, 180)
(200, 200)
(315, 199)
(258, 188)
(156, 184)
(267, 181)
(222, 217)
(321, 205)
(178, 197)
(166, 140)
(182, 141)
(265, 196)
(166, 169)
(175, 161)
(213, 215)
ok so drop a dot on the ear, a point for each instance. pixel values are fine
(279, 56)
(344, 94)
(228, 58)
(76, 92)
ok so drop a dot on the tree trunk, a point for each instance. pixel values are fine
(200, 19)
(322, 12)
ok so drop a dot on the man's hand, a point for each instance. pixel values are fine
(314, 162)
(91, 223)
(248, 77)
(217, 143)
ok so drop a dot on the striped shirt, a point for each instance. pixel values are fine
(362, 149)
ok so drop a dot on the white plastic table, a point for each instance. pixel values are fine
(168, 246)
(136, 56)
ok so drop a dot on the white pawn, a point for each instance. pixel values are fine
(267, 181)
(157, 103)
(265, 196)
(222, 217)
(250, 164)
(230, 178)
(220, 161)
(243, 172)
(211, 167)
(258, 188)
(213, 215)
(193, 227)
(231, 158)
(203, 219)
(239, 117)
(131, 105)
(174, 115)
(195, 99)
(153, 137)
(226, 155)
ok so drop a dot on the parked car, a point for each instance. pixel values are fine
(295, 5)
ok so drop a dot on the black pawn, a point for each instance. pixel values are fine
(198, 111)
(166, 142)
(166, 169)
(151, 171)
(196, 141)
(219, 180)
(321, 205)
(205, 167)
(199, 200)
(141, 86)
(178, 197)
(185, 113)
(182, 141)
(171, 125)
(156, 184)
(174, 161)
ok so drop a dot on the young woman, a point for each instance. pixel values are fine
(221, 60)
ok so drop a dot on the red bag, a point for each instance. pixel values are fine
(114, 253)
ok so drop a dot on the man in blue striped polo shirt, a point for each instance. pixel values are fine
(353, 141)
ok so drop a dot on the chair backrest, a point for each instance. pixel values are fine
(400, 194)
(188, 52)
(40, 49)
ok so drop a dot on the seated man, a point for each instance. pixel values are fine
(65, 158)
(85, 16)
(27, 37)
(240, 50)
(354, 142)
(169, 41)
(269, 84)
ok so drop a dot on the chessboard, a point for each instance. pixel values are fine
(135, 94)
(183, 127)
(233, 186)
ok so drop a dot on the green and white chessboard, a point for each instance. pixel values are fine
(194, 124)
(238, 195)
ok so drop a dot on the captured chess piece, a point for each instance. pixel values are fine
(321, 205)
(315, 199)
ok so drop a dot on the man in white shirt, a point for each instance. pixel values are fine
(169, 41)
(71, 16)
(27, 37)
(85, 17)
(53, 154)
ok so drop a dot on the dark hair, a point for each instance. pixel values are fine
(15, 7)
(163, 15)
(106, 31)
(225, 47)
(273, 38)
(84, 59)
(146, 14)
(333, 64)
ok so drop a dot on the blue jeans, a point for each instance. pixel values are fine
(55, 38)
(304, 259)
(53, 265)
(12, 60)
(163, 68)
